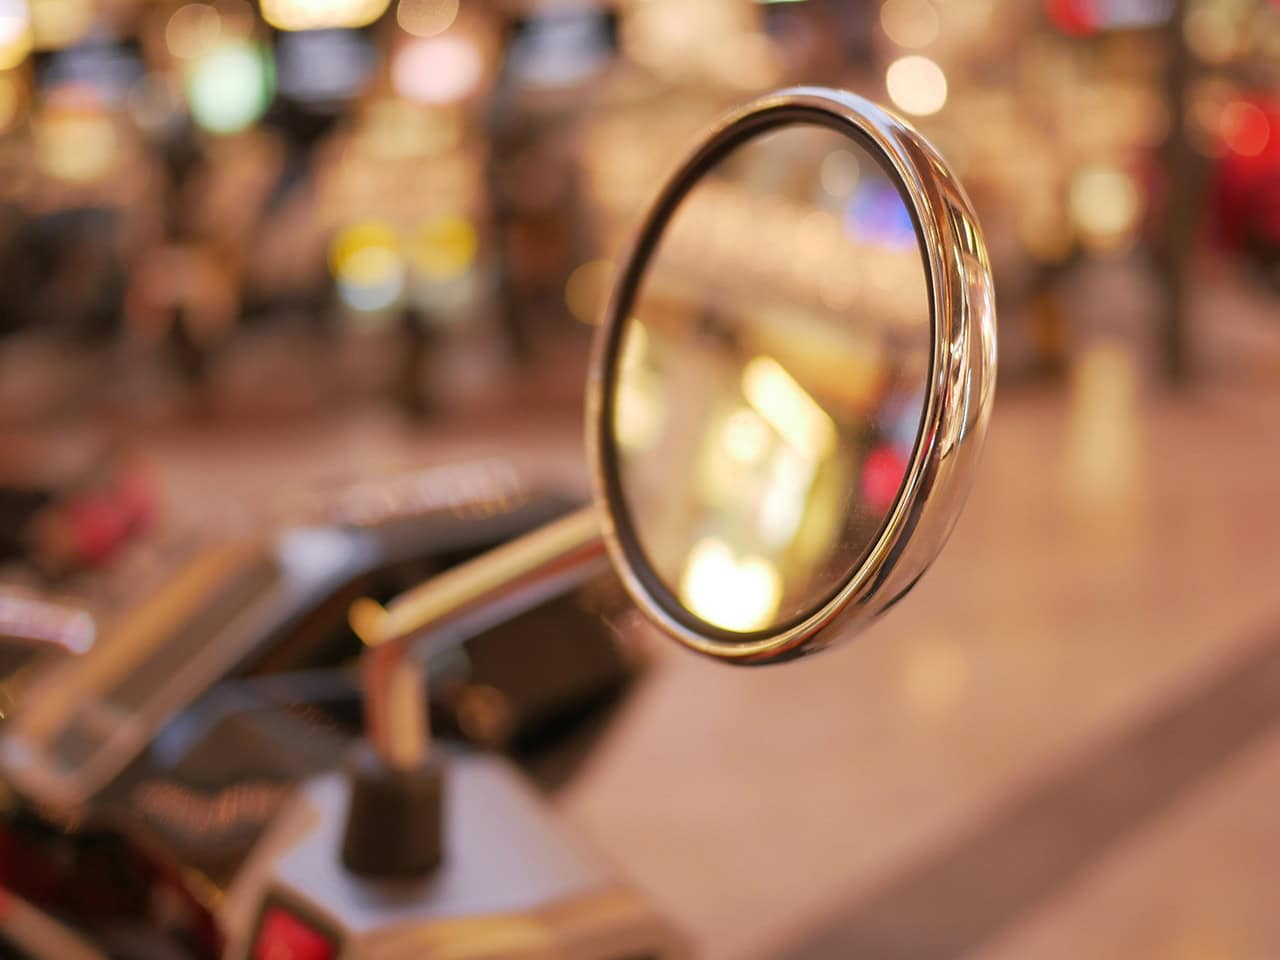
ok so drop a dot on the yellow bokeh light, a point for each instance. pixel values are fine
(745, 436)
(60, 23)
(426, 18)
(322, 14)
(367, 266)
(1104, 204)
(15, 33)
(359, 237)
(444, 247)
(1210, 34)
(75, 143)
(734, 593)
(917, 85)
(788, 408)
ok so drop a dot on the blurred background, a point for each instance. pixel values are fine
(253, 254)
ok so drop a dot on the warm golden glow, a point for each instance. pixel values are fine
(75, 141)
(444, 247)
(910, 23)
(1210, 33)
(745, 435)
(192, 30)
(426, 18)
(1104, 203)
(12, 96)
(586, 289)
(736, 593)
(321, 14)
(60, 23)
(788, 408)
(15, 33)
(917, 85)
(368, 266)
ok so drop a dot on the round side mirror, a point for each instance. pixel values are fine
(788, 397)
(793, 378)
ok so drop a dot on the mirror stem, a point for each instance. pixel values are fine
(395, 717)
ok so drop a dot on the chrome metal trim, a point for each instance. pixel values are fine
(958, 403)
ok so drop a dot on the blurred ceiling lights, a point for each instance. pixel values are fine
(443, 247)
(917, 85)
(192, 30)
(367, 265)
(15, 33)
(426, 18)
(60, 23)
(75, 138)
(230, 86)
(1104, 204)
(441, 69)
(321, 14)
(910, 23)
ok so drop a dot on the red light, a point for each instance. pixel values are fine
(1245, 128)
(882, 474)
(1079, 18)
(282, 936)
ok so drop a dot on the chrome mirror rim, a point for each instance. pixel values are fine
(958, 401)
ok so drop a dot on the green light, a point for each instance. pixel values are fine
(231, 86)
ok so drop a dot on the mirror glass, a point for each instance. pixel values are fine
(770, 380)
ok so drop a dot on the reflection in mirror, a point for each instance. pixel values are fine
(771, 379)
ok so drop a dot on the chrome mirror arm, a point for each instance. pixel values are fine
(395, 716)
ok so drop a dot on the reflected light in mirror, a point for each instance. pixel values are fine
(735, 593)
(771, 379)
(783, 403)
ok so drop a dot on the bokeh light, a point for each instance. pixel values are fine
(1104, 204)
(75, 138)
(426, 18)
(322, 14)
(1210, 33)
(910, 23)
(59, 23)
(15, 33)
(230, 86)
(368, 266)
(587, 287)
(192, 30)
(443, 247)
(1245, 128)
(917, 85)
(839, 173)
(441, 69)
